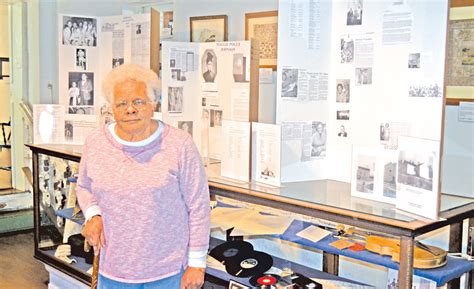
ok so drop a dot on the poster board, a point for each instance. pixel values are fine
(88, 48)
(206, 83)
(365, 72)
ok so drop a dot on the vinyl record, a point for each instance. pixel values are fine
(230, 249)
(264, 280)
(253, 264)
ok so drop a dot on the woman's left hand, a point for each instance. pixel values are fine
(193, 278)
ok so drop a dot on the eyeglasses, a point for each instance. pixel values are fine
(137, 103)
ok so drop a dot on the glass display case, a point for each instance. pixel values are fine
(293, 208)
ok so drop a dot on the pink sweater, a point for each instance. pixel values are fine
(154, 201)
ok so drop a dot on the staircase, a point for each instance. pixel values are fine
(16, 210)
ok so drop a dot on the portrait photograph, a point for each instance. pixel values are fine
(318, 139)
(79, 31)
(354, 12)
(187, 126)
(81, 92)
(208, 28)
(209, 65)
(414, 60)
(343, 92)
(68, 131)
(175, 99)
(81, 59)
(116, 62)
(342, 131)
(216, 118)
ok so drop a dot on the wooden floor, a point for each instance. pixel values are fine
(18, 268)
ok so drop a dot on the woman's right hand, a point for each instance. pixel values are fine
(93, 232)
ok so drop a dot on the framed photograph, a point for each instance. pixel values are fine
(263, 26)
(236, 285)
(208, 28)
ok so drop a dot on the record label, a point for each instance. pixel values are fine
(248, 263)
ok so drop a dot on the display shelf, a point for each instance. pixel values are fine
(325, 200)
(280, 263)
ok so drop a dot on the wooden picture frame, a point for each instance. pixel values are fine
(263, 26)
(208, 28)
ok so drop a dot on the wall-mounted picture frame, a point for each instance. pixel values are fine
(208, 28)
(263, 26)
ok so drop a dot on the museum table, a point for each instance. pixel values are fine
(324, 200)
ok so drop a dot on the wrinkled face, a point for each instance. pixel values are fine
(132, 108)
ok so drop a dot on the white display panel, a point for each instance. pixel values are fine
(266, 153)
(369, 71)
(86, 55)
(206, 83)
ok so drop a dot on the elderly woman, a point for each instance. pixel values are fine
(144, 192)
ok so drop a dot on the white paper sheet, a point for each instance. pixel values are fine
(266, 153)
(417, 177)
(235, 161)
(313, 233)
(48, 124)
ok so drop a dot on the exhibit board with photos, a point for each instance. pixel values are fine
(89, 48)
(206, 83)
(353, 77)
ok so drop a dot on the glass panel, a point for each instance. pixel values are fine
(60, 217)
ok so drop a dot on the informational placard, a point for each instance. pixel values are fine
(417, 176)
(266, 153)
(364, 72)
(235, 161)
(206, 83)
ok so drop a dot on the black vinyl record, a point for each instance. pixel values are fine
(252, 264)
(264, 281)
(230, 249)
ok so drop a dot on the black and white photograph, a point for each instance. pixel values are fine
(178, 75)
(239, 67)
(175, 99)
(68, 131)
(81, 92)
(209, 65)
(81, 59)
(187, 126)
(203, 101)
(205, 113)
(389, 180)
(172, 63)
(342, 131)
(432, 90)
(347, 50)
(365, 174)
(363, 75)
(289, 83)
(416, 170)
(342, 114)
(116, 62)
(79, 31)
(216, 118)
(384, 131)
(236, 285)
(414, 60)
(318, 139)
(354, 12)
(343, 90)
(138, 29)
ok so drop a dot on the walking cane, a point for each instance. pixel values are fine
(95, 266)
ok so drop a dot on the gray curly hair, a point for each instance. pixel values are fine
(131, 72)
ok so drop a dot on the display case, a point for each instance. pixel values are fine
(318, 203)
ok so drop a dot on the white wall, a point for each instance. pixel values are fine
(458, 159)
